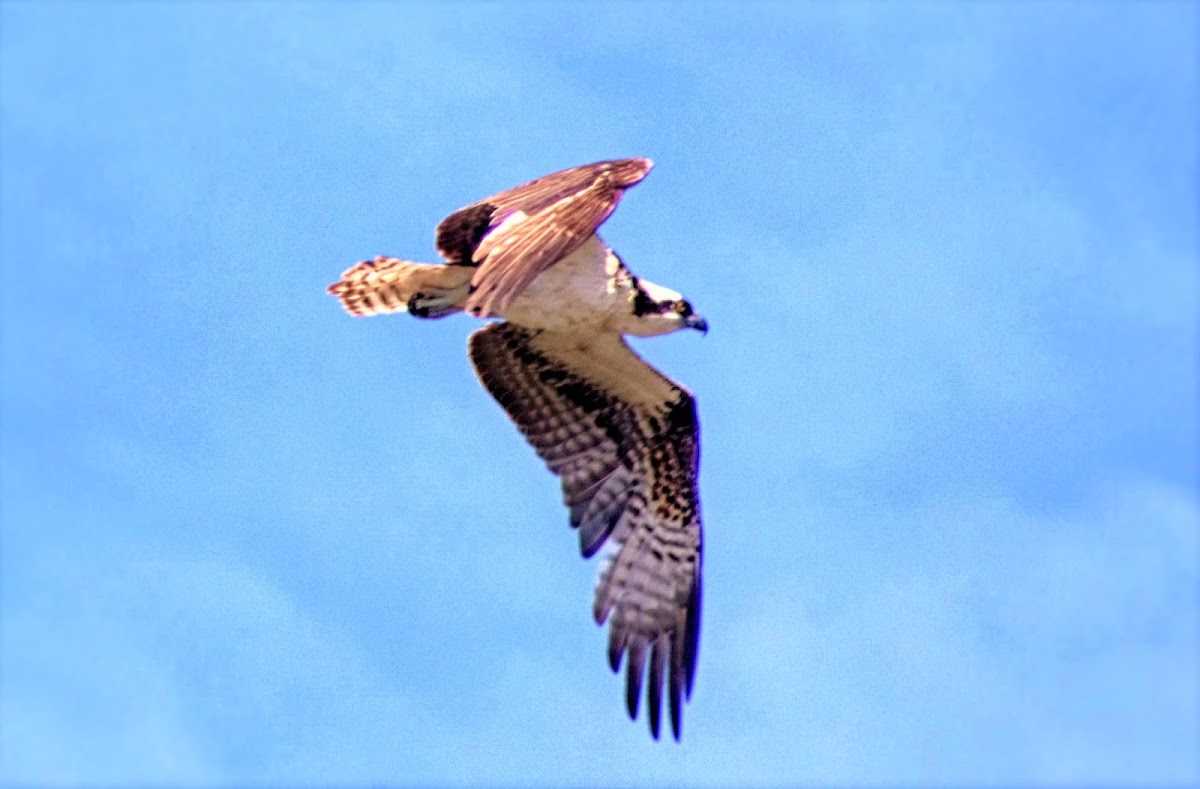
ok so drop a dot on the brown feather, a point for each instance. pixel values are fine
(387, 284)
(562, 210)
(625, 442)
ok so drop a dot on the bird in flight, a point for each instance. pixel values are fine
(622, 437)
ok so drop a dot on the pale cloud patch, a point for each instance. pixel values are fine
(1067, 637)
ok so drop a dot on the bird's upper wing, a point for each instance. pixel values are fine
(625, 441)
(516, 234)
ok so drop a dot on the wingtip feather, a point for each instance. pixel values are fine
(634, 670)
(658, 659)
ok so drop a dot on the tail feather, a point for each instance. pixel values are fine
(383, 285)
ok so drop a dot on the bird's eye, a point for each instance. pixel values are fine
(683, 308)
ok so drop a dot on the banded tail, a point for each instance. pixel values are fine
(383, 285)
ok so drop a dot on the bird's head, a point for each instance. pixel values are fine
(659, 310)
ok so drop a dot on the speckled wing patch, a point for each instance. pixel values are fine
(624, 439)
(561, 211)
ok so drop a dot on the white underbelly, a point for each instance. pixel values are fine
(578, 292)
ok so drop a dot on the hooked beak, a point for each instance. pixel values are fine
(696, 322)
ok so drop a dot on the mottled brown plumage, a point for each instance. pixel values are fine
(625, 442)
(560, 211)
(622, 437)
(383, 285)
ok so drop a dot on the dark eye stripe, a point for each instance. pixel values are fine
(644, 305)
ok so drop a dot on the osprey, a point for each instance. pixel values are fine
(622, 437)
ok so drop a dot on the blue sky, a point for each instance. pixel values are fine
(948, 254)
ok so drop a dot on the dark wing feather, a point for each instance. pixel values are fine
(625, 442)
(460, 233)
(561, 211)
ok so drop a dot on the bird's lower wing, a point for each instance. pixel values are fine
(625, 441)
